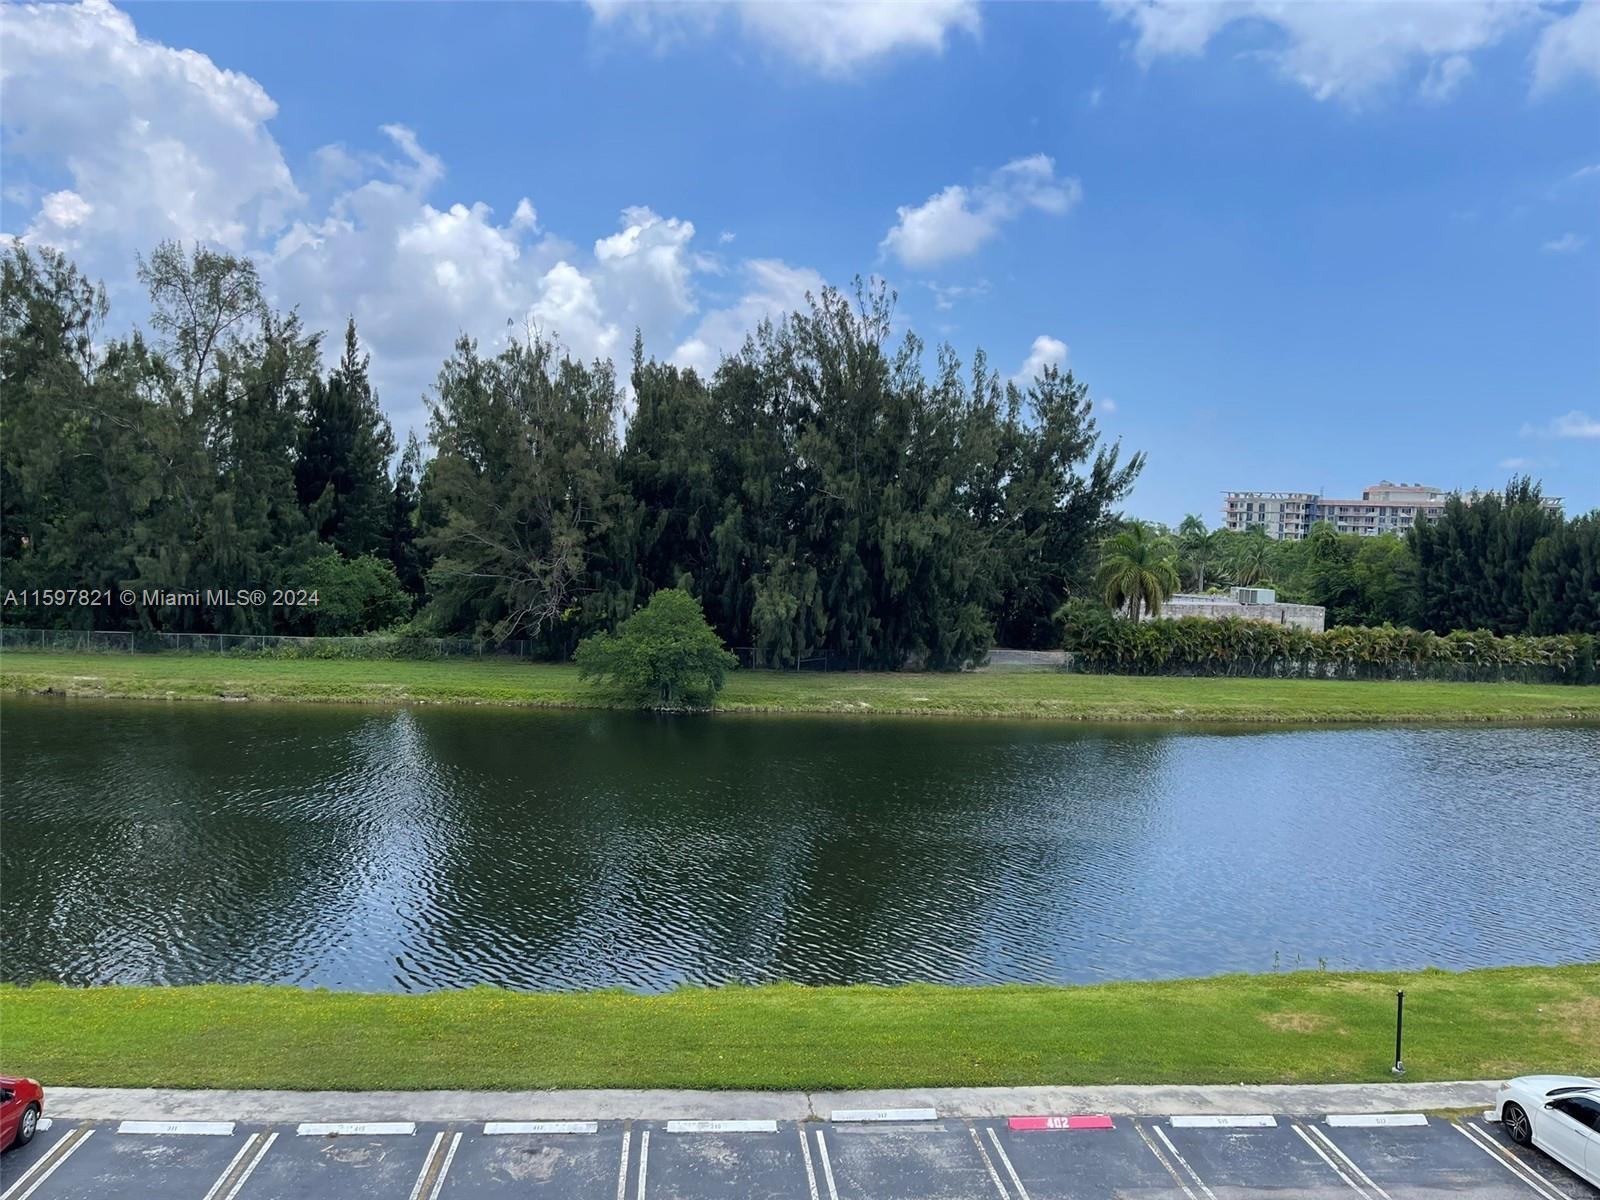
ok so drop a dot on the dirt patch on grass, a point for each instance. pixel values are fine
(1581, 1015)
(1298, 1022)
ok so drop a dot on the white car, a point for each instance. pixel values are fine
(1560, 1114)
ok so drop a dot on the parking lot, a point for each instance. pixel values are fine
(860, 1156)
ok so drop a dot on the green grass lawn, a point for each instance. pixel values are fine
(1291, 1028)
(1027, 694)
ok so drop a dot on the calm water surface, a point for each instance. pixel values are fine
(424, 848)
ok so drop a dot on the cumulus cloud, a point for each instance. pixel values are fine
(157, 142)
(1575, 424)
(772, 289)
(1567, 243)
(1046, 351)
(1568, 48)
(1350, 51)
(957, 221)
(832, 37)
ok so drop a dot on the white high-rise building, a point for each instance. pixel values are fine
(1383, 508)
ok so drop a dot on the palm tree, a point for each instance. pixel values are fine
(1199, 550)
(1251, 559)
(1136, 570)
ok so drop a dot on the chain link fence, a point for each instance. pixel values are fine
(262, 645)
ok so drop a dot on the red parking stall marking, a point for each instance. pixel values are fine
(1086, 1121)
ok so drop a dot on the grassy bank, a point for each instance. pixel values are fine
(1306, 1027)
(1023, 694)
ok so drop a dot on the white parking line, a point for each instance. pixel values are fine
(1247, 1121)
(852, 1115)
(249, 1145)
(492, 1128)
(1323, 1155)
(201, 1128)
(1375, 1120)
(827, 1167)
(67, 1147)
(1005, 1161)
(1184, 1163)
(356, 1128)
(1162, 1159)
(1510, 1162)
(722, 1127)
(423, 1189)
(805, 1155)
(427, 1164)
(988, 1163)
(244, 1177)
(1349, 1162)
(644, 1159)
(622, 1171)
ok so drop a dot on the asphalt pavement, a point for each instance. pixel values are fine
(905, 1154)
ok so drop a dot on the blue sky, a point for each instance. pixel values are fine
(1305, 246)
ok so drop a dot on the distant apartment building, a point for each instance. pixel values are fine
(1383, 508)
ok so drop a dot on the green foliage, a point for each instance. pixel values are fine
(354, 595)
(1200, 646)
(822, 497)
(526, 489)
(1138, 570)
(664, 654)
(342, 472)
(1472, 565)
(821, 492)
(1202, 553)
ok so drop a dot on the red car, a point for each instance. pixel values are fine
(21, 1102)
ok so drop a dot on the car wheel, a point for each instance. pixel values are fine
(1518, 1128)
(27, 1126)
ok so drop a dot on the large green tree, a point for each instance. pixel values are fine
(525, 482)
(1471, 564)
(341, 473)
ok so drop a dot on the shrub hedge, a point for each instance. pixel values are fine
(1102, 643)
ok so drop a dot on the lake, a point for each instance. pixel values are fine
(418, 848)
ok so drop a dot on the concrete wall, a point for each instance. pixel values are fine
(1214, 608)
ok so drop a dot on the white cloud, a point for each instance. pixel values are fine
(1575, 424)
(1515, 464)
(1567, 243)
(1349, 51)
(644, 273)
(1568, 47)
(833, 37)
(1586, 172)
(954, 223)
(946, 296)
(64, 210)
(158, 142)
(569, 307)
(1046, 351)
(1445, 77)
(773, 288)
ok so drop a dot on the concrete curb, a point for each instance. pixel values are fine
(119, 1104)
